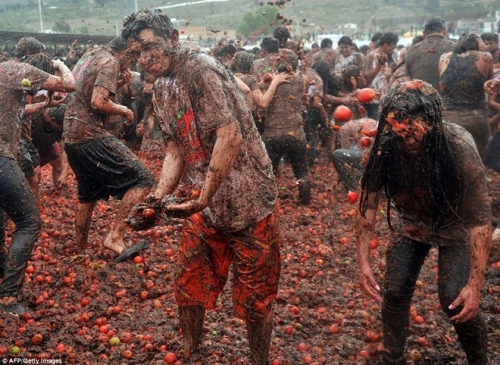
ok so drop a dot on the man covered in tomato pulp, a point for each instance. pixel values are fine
(435, 185)
(213, 146)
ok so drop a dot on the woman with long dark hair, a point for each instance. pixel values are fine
(434, 182)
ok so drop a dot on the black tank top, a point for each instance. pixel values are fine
(461, 84)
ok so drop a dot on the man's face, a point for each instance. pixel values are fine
(389, 47)
(344, 50)
(411, 130)
(491, 45)
(155, 51)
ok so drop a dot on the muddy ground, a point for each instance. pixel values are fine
(77, 304)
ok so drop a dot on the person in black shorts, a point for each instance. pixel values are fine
(103, 165)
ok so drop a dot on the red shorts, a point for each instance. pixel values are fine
(207, 254)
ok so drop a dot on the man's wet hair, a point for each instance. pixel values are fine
(489, 37)
(282, 34)
(270, 45)
(153, 19)
(28, 46)
(346, 40)
(40, 61)
(242, 62)
(287, 56)
(417, 39)
(118, 43)
(326, 43)
(364, 49)
(466, 42)
(375, 38)
(57, 113)
(226, 50)
(384, 169)
(314, 45)
(434, 24)
(388, 38)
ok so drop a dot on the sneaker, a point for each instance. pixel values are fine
(13, 308)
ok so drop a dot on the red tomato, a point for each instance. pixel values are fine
(170, 358)
(365, 142)
(342, 113)
(371, 133)
(148, 213)
(352, 197)
(267, 78)
(366, 95)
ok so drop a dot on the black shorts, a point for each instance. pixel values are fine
(28, 158)
(105, 167)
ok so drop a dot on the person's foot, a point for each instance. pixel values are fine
(114, 244)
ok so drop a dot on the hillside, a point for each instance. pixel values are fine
(105, 16)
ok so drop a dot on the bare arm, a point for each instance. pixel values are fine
(171, 171)
(262, 100)
(102, 102)
(63, 80)
(444, 61)
(365, 227)
(470, 295)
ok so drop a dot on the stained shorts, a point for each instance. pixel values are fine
(28, 158)
(207, 254)
(105, 167)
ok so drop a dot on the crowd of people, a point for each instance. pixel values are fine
(229, 121)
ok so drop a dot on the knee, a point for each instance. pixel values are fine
(448, 292)
(32, 223)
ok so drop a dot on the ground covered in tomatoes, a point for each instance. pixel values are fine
(78, 305)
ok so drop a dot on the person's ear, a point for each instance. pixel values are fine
(174, 37)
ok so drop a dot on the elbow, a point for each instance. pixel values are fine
(70, 87)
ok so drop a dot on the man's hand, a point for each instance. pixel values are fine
(129, 115)
(368, 283)
(469, 297)
(139, 129)
(492, 86)
(184, 209)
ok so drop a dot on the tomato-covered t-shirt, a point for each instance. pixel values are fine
(199, 97)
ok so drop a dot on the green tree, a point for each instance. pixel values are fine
(61, 26)
(260, 21)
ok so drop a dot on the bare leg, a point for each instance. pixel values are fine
(191, 321)
(56, 171)
(34, 181)
(114, 241)
(259, 338)
(63, 169)
(83, 218)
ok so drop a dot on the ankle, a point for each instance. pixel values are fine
(7, 300)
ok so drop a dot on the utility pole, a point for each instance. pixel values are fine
(40, 15)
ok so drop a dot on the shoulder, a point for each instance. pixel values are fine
(458, 136)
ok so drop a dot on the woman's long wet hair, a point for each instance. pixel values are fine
(385, 168)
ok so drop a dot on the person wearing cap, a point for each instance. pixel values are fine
(422, 59)
(437, 199)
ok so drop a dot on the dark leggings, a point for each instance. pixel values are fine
(18, 202)
(295, 150)
(404, 261)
